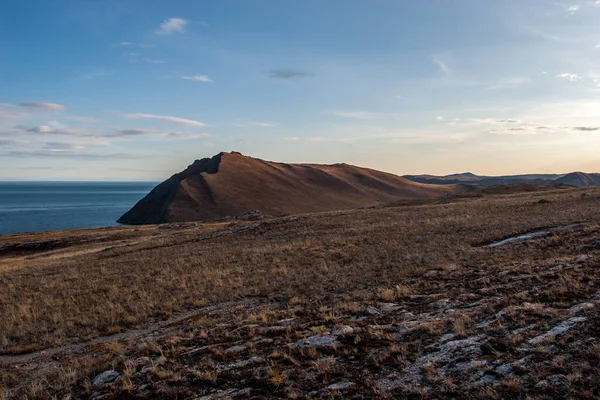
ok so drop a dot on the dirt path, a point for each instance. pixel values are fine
(153, 329)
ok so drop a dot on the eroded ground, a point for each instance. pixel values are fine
(398, 302)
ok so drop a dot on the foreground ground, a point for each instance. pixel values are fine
(398, 302)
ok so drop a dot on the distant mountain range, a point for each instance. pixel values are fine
(231, 184)
(581, 179)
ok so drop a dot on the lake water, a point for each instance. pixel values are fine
(45, 206)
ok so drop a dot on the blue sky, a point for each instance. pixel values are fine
(118, 90)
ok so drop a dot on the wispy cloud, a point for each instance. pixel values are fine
(172, 25)
(97, 73)
(263, 124)
(586, 128)
(49, 153)
(43, 106)
(62, 146)
(175, 120)
(197, 78)
(255, 123)
(569, 77)
(285, 73)
(441, 64)
(45, 129)
(152, 61)
(573, 9)
(357, 114)
(155, 132)
(133, 44)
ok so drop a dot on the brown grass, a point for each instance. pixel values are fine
(292, 279)
(59, 296)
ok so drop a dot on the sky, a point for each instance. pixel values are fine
(138, 89)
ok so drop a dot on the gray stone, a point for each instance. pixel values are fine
(236, 349)
(446, 337)
(578, 308)
(240, 364)
(340, 386)
(318, 341)
(389, 307)
(105, 377)
(557, 330)
(226, 394)
(373, 311)
(344, 330)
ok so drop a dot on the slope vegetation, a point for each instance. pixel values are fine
(230, 184)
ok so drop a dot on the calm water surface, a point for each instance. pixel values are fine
(45, 206)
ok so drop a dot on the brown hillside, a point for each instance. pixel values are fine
(229, 184)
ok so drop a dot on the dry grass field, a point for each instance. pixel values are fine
(387, 302)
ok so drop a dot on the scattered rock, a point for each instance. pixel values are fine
(446, 361)
(340, 386)
(557, 330)
(579, 308)
(240, 364)
(389, 307)
(105, 377)
(318, 341)
(250, 215)
(447, 337)
(236, 349)
(431, 273)
(442, 303)
(344, 330)
(226, 394)
(372, 310)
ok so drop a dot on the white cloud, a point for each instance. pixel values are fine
(569, 77)
(40, 129)
(155, 132)
(597, 46)
(43, 106)
(293, 139)
(264, 124)
(175, 120)
(441, 65)
(98, 73)
(573, 9)
(508, 83)
(358, 114)
(197, 78)
(62, 146)
(57, 131)
(132, 44)
(439, 118)
(255, 123)
(172, 25)
(152, 61)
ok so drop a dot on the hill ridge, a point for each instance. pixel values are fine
(230, 184)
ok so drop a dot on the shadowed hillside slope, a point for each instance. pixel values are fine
(579, 179)
(229, 184)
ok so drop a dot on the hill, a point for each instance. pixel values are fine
(470, 178)
(230, 184)
(579, 179)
